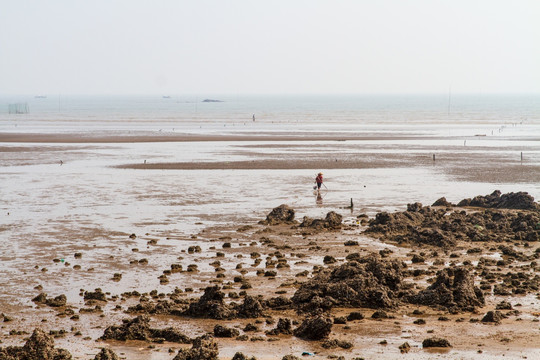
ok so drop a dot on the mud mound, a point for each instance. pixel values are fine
(283, 214)
(368, 281)
(204, 348)
(315, 328)
(139, 329)
(331, 222)
(225, 332)
(39, 346)
(106, 354)
(453, 289)
(520, 200)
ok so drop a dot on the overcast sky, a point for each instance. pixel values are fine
(176, 47)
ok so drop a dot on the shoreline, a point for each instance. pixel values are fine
(265, 137)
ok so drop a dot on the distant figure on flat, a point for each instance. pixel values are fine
(319, 180)
(253, 117)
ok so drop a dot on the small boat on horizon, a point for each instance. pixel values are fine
(40, 96)
(166, 97)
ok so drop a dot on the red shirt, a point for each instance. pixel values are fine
(318, 179)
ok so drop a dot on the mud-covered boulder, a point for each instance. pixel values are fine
(332, 221)
(453, 289)
(106, 354)
(204, 348)
(368, 281)
(283, 214)
(314, 328)
(39, 346)
(211, 305)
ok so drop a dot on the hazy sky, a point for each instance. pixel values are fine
(176, 47)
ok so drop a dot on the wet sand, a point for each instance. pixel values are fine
(104, 252)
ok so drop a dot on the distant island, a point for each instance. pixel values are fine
(211, 100)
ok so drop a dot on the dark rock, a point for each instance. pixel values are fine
(204, 348)
(519, 200)
(380, 314)
(250, 308)
(290, 357)
(315, 328)
(106, 354)
(58, 301)
(493, 317)
(98, 294)
(138, 328)
(442, 202)
(282, 214)
(355, 315)
(331, 222)
(334, 343)
(404, 348)
(284, 326)
(225, 332)
(39, 346)
(453, 289)
(504, 305)
(435, 342)
(211, 305)
(240, 356)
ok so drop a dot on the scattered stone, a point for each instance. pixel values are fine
(355, 315)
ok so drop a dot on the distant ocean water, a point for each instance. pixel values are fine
(60, 113)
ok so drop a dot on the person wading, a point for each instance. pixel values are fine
(319, 180)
